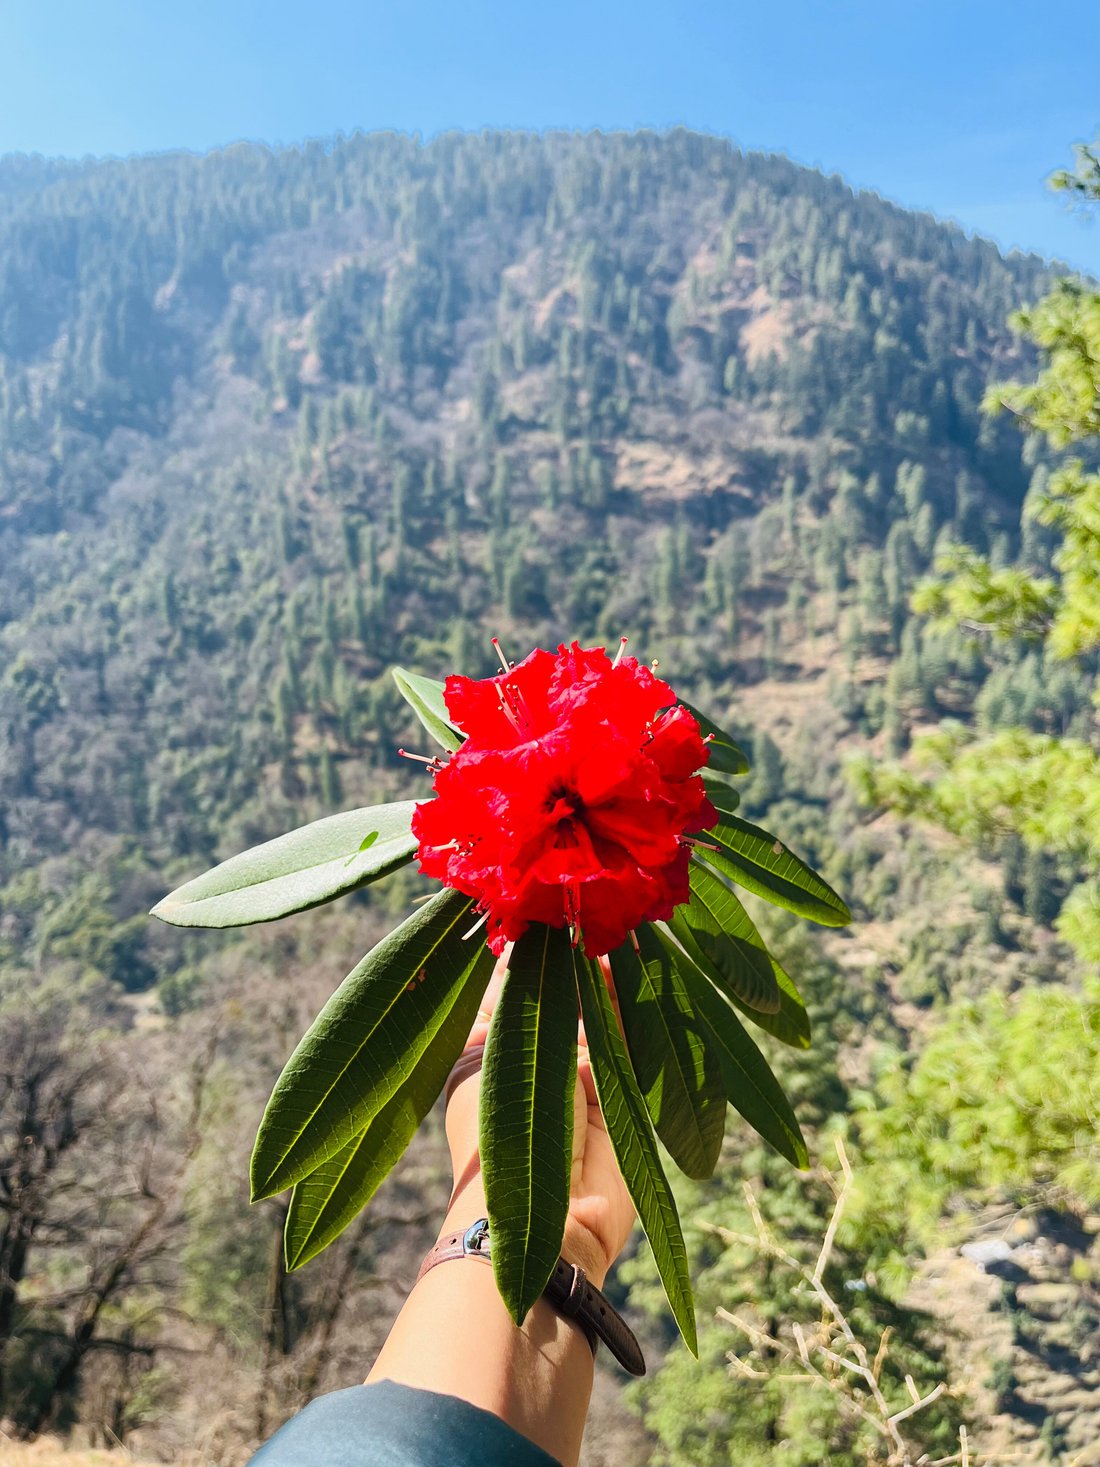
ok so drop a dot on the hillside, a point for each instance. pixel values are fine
(261, 413)
(273, 421)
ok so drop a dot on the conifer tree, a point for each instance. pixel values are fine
(1043, 787)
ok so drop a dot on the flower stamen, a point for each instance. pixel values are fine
(619, 653)
(698, 845)
(572, 913)
(481, 921)
(512, 705)
(507, 666)
(652, 726)
(510, 713)
(434, 765)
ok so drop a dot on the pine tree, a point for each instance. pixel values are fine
(1042, 786)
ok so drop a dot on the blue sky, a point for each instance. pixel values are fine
(963, 108)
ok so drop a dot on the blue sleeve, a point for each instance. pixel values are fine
(387, 1425)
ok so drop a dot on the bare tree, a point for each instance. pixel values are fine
(90, 1184)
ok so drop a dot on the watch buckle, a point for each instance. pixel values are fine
(473, 1238)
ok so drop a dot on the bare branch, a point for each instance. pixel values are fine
(849, 1361)
(838, 1213)
(919, 1404)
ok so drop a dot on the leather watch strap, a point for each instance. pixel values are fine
(570, 1291)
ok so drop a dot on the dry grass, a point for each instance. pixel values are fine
(51, 1453)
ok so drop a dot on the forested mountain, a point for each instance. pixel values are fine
(273, 421)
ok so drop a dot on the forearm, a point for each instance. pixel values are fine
(454, 1336)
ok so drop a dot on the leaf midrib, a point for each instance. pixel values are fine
(672, 1050)
(340, 1073)
(168, 905)
(534, 1107)
(638, 1125)
(816, 891)
(353, 1152)
(754, 955)
(767, 1102)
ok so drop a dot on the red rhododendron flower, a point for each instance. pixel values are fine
(571, 798)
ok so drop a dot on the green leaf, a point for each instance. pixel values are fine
(527, 1085)
(426, 699)
(748, 1081)
(726, 757)
(366, 1041)
(324, 1203)
(676, 1073)
(720, 936)
(759, 862)
(634, 1144)
(721, 795)
(301, 869)
(791, 1025)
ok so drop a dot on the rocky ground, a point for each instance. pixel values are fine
(1021, 1302)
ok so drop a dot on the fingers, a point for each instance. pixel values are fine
(584, 1071)
(491, 998)
(467, 1064)
(469, 1061)
(496, 983)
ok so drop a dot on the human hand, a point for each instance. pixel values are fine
(601, 1213)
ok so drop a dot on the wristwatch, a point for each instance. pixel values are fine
(569, 1291)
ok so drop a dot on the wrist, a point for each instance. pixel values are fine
(455, 1337)
(571, 1294)
(580, 1245)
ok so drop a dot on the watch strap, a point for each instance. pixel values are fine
(569, 1290)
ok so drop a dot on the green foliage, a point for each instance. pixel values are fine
(706, 1412)
(970, 592)
(635, 1146)
(326, 1201)
(749, 1084)
(526, 1130)
(296, 871)
(273, 421)
(1084, 177)
(725, 756)
(734, 956)
(985, 1111)
(1072, 506)
(1063, 403)
(425, 697)
(760, 863)
(366, 1042)
(675, 1066)
(1043, 787)
(720, 937)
